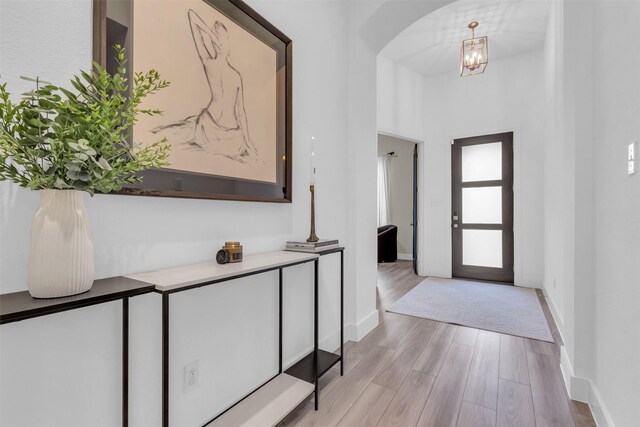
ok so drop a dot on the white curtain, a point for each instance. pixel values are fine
(383, 190)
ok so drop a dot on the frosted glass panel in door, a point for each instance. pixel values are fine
(482, 205)
(482, 162)
(482, 248)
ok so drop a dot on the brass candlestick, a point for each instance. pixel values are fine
(312, 235)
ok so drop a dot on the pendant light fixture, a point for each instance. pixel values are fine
(474, 53)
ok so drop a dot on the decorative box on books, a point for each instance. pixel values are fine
(319, 246)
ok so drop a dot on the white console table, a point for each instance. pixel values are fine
(271, 402)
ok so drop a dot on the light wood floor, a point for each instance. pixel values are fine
(410, 372)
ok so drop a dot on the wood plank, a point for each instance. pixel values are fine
(334, 405)
(406, 406)
(327, 383)
(541, 347)
(466, 336)
(369, 407)
(584, 420)
(515, 407)
(476, 416)
(352, 355)
(444, 402)
(482, 384)
(550, 402)
(580, 408)
(268, 405)
(436, 350)
(396, 370)
(513, 359)
(388, 327)
(405, 328)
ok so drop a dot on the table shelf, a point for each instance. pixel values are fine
(303, 369)
(268, 405)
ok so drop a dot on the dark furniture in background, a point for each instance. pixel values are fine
(387, 243)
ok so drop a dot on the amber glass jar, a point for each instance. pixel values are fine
(235, 251)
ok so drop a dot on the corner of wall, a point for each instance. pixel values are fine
(584, 390)
(355, 332)
(555, 313)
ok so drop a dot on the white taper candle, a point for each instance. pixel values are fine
(313, 160)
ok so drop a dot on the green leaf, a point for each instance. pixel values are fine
(74, 167)
(36, 122)
(77, 136)
(31, 79)
(60, 184)
(104, 164)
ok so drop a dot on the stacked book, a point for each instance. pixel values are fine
(304, 246)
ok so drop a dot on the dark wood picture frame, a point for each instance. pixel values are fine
(171, 183)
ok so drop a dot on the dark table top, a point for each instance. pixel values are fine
(18, 306)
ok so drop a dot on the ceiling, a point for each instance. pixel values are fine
(431, 46)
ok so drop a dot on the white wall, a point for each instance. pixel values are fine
(400, 100)
(400, 189)
(553, 163)
(617, 211)
(592, 214)
(134, 234)
(372, 24)
(507, 97)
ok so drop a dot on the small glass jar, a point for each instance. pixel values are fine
(235, 251)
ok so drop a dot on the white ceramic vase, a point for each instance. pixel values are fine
(61, 253)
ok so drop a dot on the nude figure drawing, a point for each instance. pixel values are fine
(221, 127)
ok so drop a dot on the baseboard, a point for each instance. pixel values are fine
(557, 317)
(405, 257)
(583, 390)
(578, 388)
(352, 332)
(437, 274)
(355, 332)
(598, 409)
(566, 369)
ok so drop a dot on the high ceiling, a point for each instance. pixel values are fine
(431, 46)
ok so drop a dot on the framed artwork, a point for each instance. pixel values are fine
(226, 114)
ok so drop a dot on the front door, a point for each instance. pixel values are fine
(482, 207)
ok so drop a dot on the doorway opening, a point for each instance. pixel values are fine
(398, 169)
(482, 207)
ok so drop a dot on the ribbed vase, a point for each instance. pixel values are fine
(61, 253)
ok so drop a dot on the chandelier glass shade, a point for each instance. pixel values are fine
(474, 53)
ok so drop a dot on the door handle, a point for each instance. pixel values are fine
(455, 225)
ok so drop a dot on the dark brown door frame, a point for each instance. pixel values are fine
(504, 274)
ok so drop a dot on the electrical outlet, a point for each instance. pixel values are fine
(631, 158)
(191, 376)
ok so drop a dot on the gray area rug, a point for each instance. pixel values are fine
(499, 308)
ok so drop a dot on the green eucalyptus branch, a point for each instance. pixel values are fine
(59, 138)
